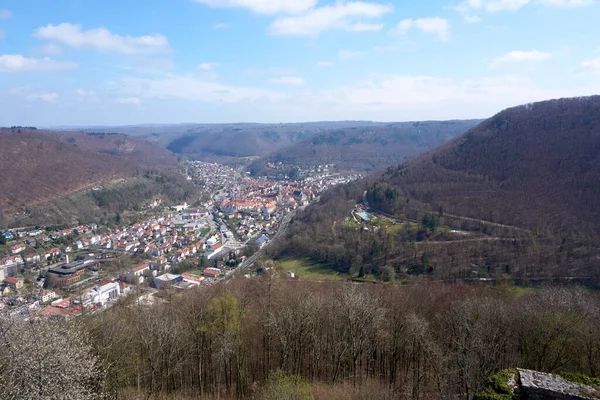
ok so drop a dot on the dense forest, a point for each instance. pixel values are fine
(52, 177)
(365, 148)
(262, 338)
(116, 203)
(534, 166)
(523, 182)
(228, 142)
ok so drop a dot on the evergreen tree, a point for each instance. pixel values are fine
(361, 272)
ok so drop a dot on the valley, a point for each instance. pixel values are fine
(285, 239)
(300, 200)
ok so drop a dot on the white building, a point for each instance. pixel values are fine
(103, 294)
(47, 295)
(180, 207)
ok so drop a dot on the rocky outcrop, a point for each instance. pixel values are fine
(534, 385)
(524, 384)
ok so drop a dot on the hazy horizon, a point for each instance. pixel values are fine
(223, 61)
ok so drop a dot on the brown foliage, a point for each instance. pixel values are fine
(533, 166)
(349, 341)
(366, 148)
(41, 167)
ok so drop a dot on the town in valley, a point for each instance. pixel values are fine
(68, 271)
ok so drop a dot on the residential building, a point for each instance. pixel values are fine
(211, 272)
(103, 294)
(47, 296)
(17, 248)
(14, 283)
(166, 280)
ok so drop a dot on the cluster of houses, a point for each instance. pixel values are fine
(255, 204)
(106, 292)
(10, 264)
(99, 296)
(212, 177)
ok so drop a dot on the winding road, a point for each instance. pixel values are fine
(282, 228)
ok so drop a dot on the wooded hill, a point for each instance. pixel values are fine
(42, 169)
(365, 148)
(227, 143)
(360, 145)
(534, 167)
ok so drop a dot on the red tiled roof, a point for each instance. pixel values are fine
(140, 267)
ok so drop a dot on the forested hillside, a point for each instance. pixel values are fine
(365, 148)
(230, 142)
(535, 166)
(36, 167)
(514, 198)
(362, 145)
(271, 338)
(45, 173)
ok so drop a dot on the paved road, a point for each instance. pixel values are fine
(366, 202)
(282, 228)
(488, 239)
(516, 228)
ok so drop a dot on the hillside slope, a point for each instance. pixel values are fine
(366, 148)
(40, 167)
(35, 166)
(228, 142)
(516, 197)
(535, 166)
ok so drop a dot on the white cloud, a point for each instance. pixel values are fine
(102, 39)
(20, 63)
(383, 98)
(347, 54)
(362, 27)
(49, 48)
(288, 80)
(567, 3)
(341, 15)
(192, 89)
(149, 65)
(269, 7)
(43, 96)
(472, 19)
(406, 97)
(274, 71)
(591, 65)
(5, 14)
(29, 94)
(207, 66)
(518, 56)
(221, 25)
(129, 100)
(436, 26)
(85, 93)
(324, 64)
(468, 6)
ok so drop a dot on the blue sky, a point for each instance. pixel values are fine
(114, 62)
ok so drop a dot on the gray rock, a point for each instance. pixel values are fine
(539, 385)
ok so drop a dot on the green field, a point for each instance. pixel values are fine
(309, 269)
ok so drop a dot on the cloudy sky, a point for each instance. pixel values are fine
(114, 62)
